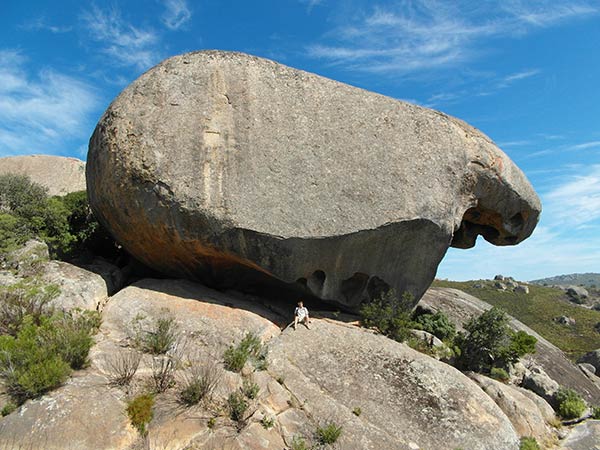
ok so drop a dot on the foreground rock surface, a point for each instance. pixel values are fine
(241, 172)
(59, 174)
(460, 307)
(407, 400)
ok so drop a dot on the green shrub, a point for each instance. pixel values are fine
(498, 373)
(596, 412)
(437, 324)
(357, 411)
(25, 298)
(250, 348)
(267, 422)
(41, 356)
(161, 338)
(529, 443)
(7, 409)
(489, 342)
(199, 384)
(328, 434)
(250, 389)
(140, 412)
(390, 315)
(237, 406)
(569, 404)
(211, 423)
(298, 443)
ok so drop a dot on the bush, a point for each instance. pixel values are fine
(569, 404)
(140, 412)
(250, 348)
(529, 443)
(328, 434)
(123, 367)
(163, 373)
(250, 389)
(41, 356)
(267, 422)
(498, 373)
(237, 406)
(298, 443)
(489, 342)
(26, 298)
(65, 223)
(596, 412)
(357, 411)
(437, 324)
(161, 338)
(7, 409)
(199, 384)
(389, 315)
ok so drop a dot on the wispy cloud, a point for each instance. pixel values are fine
(41, 112)
(585, 145)
(510, 79)
(310, 4)
(123, 43)
(40, 24)
(177, 14)
(425, 34)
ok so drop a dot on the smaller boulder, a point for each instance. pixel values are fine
(592, 358)
(577, 291)
(427, 337)
(499, 278)
(500, 286)
(28, 259)
(564, 320)
(521, 289)
(538, 381)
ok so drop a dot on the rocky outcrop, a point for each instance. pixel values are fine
(59, 174)
(584, 436)
(382, 393)
(240, 172)
(528, 418)
(592, 358)
(460, 307)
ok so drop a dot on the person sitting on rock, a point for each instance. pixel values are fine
(301, 315)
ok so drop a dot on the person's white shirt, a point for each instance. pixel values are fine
(301, 313)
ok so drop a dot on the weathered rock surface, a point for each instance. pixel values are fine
(83, 414)
(584, 436)
(577, 291)
(525, 414)
(538, 381)
(460, 307)
(59, 174)
(407, 399)
(241, 172)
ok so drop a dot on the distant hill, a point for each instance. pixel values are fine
(578, 279)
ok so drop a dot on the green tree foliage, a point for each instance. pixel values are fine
(42, 354)
(65, 223)
(489, 342)
(437, 324)
(569, 404)
(390, 315)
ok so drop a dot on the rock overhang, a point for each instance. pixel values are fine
(242, 172)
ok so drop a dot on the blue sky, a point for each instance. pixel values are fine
(527, 73)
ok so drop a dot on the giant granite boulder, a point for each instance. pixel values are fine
(240, 172)
(59, 174)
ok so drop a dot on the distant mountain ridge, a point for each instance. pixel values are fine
(584, 279)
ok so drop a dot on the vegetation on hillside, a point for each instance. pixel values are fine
(537, 310)
(578, 279)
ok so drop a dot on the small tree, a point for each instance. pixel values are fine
(437, 324)
(389, 314)
(489, 342)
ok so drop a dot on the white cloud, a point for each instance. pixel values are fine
(585, 145)
(123, 43)
(37, 113)
(426, 34)
(310, 4)
(177, 14)
(40, 24)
